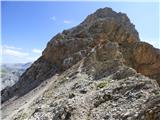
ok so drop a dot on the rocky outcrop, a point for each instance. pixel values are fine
(96, 62)
(147, 60)
(98, 87)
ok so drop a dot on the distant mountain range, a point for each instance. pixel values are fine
(10, 73)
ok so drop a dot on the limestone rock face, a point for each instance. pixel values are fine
(147, 60)
(101, 64)
(97, 88)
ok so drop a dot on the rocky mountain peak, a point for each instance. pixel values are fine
(105, 25)
(96, 61)
(106, 13)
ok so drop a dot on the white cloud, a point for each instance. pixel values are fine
(12, 54)
(13, 51)
(67, 21)
(37, 50)
(53, 18)
(11, 47)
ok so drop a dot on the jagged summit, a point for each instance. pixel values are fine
(100, 63)
(105, 21)
(106, 13)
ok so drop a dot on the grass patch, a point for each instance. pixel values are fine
(2, 72)
(21, 116)
(102, 84)
(59, 37)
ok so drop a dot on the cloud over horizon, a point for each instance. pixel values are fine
(18, 55)
(13, 51)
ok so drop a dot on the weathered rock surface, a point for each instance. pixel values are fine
(97, 81)
(147, 60)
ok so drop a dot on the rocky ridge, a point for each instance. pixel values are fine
(100, 65)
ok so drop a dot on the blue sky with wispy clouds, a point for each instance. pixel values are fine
(28, 26)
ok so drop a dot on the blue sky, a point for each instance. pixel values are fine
(28, 26)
